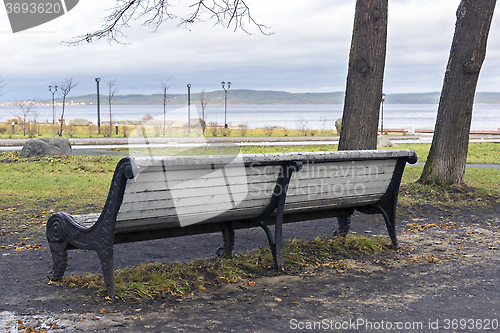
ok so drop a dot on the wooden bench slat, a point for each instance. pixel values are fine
(257, 197)
(143, 222)
(135, 193)
(175, 177)
(328, 185)
(246, 209)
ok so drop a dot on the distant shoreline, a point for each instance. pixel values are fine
(258, 97)
(322, 117)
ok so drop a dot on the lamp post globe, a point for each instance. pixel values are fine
(53, 104)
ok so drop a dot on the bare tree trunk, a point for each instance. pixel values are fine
(203, 104)
(448, 154)
(65, 88)
(365, 77)
(164, 90)
(62, 115)
(111, 98)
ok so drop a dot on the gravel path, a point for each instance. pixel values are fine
(445, 271)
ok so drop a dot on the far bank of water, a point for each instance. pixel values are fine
(321, 117)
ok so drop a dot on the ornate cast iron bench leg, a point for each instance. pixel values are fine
(59, 253)
(56, 237)
(106, 258)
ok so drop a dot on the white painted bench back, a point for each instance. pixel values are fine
(180, 191)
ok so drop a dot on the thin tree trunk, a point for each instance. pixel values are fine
(365, 76)
(62, 116)
(448, 154)
(110, 121)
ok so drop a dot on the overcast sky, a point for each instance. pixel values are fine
(308, 51)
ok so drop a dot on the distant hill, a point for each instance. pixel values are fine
(425, 98)
(433, 98)
(259, 97)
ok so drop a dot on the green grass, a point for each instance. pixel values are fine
(234, 150)
(486, 180)
(484, 152)
(66, 178)
(478, 195)
(32, 188)
(180, 279)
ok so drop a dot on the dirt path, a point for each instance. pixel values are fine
(444, 271)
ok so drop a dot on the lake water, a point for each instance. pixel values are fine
(321, 117)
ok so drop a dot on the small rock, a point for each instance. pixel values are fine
(46, 146)
(338, 125)
(384, 142)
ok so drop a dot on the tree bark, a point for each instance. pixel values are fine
(448, 154)
(365, 76)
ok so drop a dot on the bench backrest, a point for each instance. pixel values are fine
(180, 191)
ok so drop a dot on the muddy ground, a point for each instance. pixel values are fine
(444, 278)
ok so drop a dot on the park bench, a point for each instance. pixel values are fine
(156, 197)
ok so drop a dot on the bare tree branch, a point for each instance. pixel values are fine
(111, 98)
(225, 12)
(154, 12)
(65, 88)
(164, 90)
(27, 108)
(203, 103)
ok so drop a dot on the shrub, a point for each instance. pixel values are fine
(243, 129)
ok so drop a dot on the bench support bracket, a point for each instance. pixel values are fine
(64, 233)
(278, 204)
(228, 237)
(344, 221)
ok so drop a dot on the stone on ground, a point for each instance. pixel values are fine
(46, 146)
(384, 142)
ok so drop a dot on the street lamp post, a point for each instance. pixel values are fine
(189, 107)
(98, 106)
(225, 100)
(382, 122)
(53, 105)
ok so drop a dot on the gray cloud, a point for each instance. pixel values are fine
(307, 52)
